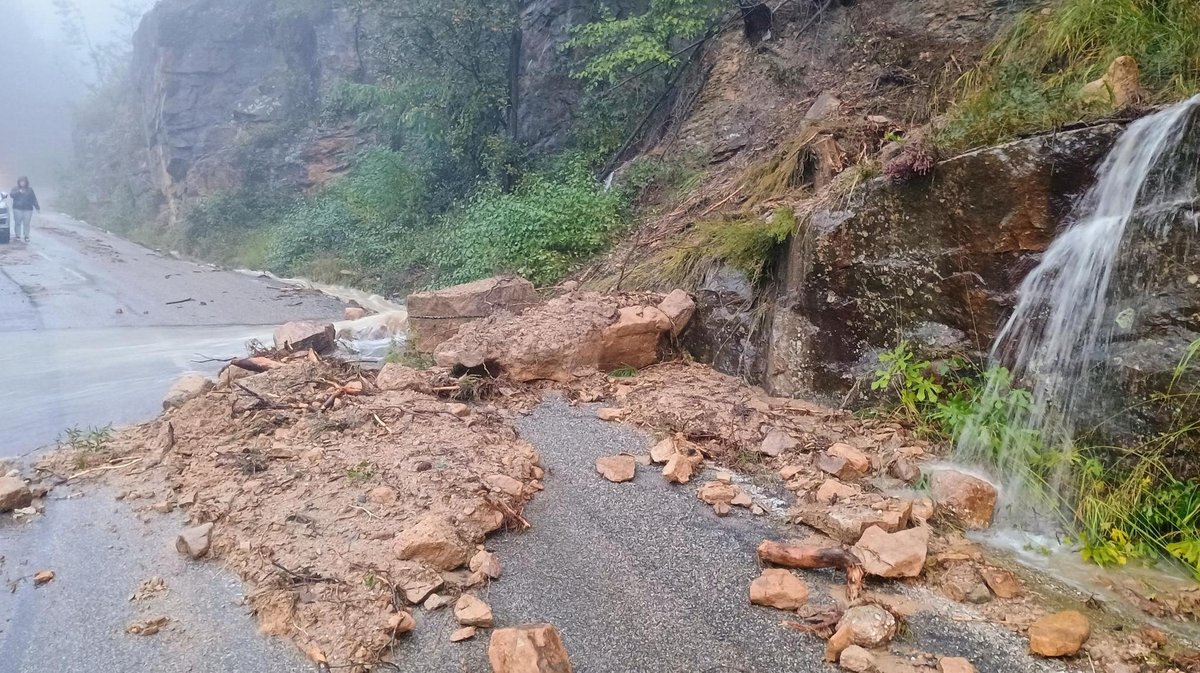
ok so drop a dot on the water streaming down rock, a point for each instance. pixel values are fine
(1085, 294)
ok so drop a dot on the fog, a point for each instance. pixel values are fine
(45, 72)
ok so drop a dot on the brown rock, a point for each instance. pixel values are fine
(858, 461)
(395, 376)
(788, 471)
(195, 541)
(617, 469)
(382, 495)
(857, 660)
(776, 443)
(502, 483)
(436, 601)
(354, 313)
(14, 494)
(470, 611)
(962, 583)
(1119, 87)
(1061, 634)
(662, 451)
(632, 341)
(837, 466)
(610, 414)
(43, 577)
(847, 521)
(955, 665)
(900, 554)
(679, 308)
(678, 469)
(832, 490)
(870, 625)
(433, 541)
(1002, 583)
(304, 335)
(905, 470)
(715, 492)
(465, 633)
(435, 317)
(969, 501)
(922, 510)
(486, 563)
(779, 588)
(458, 409)
(398, 623)
(418, 582)
(528, 649)
(742, 499)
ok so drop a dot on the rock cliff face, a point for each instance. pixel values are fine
(232, 87)
(935, 262)
(231, 90)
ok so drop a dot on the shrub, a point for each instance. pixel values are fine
(542, 229)
(747, 244)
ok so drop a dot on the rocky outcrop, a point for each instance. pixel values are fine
(230, 91)
(935, 261)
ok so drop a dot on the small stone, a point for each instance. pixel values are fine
(857, 660)
(779, 588)
(905, 470)
(470, 611)
(458, 409)
(164, 507)
(715, 492)
(610, 414)
(433, 541)
(922, 510)
(43, 577)
(1061, 634)
(382, 495)
(617, 469)
(678, 469)
(742, 499)
(968, 500)
(148, 627)
(788, 471)
(776, 443)
(837, 466)
(503, 483)
(401, 622)
(528, 649)
(465, 633)
(722, 508)
(962, 583)
(14, 494)
(195, 541)
(723, 477)
(870, 625)
(1002, 583)
(355, 313)
(757, 510)
(900, 554)
(955, 665)
(186, 388)
(832, 490)
(436, 602)
(662, 451)
(487, 564)
(858, 461)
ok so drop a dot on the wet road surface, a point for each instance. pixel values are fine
(93, 329)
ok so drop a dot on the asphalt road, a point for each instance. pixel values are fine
(644, 578)
(92, 331)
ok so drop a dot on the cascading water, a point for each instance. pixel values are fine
(1086, 289)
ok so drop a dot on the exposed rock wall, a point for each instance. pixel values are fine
(935, 262)
(233, 87)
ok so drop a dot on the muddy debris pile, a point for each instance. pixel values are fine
(345, 499)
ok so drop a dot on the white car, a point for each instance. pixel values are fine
(5, 218)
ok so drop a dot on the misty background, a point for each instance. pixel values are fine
(49, 55)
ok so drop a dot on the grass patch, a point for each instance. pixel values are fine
(1029, 79)
(89, 447)
(747, 244)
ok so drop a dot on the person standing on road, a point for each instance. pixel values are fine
(24, 202)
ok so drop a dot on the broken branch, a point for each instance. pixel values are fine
(814, 558)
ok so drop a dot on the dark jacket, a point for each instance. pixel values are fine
(24, 199)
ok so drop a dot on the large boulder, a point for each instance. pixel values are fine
(435, 316)
(528, 649)
(893, 555)
(554, 340)
(303, 335)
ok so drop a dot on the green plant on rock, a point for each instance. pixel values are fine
(748, 244)
(1030, 78)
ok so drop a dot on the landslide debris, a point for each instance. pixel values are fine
(342, 506)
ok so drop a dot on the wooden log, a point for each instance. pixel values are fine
(813, 558)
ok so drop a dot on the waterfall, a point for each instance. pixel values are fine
(1057, 341)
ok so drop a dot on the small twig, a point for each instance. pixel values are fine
(368, 512)
(104, 468)
(381, 423)
(180, 301)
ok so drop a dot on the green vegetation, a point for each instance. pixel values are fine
(363, 471)
(88, 446)
(625, 372)
(1121, 503)
(746, 243)
(1030, 78)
